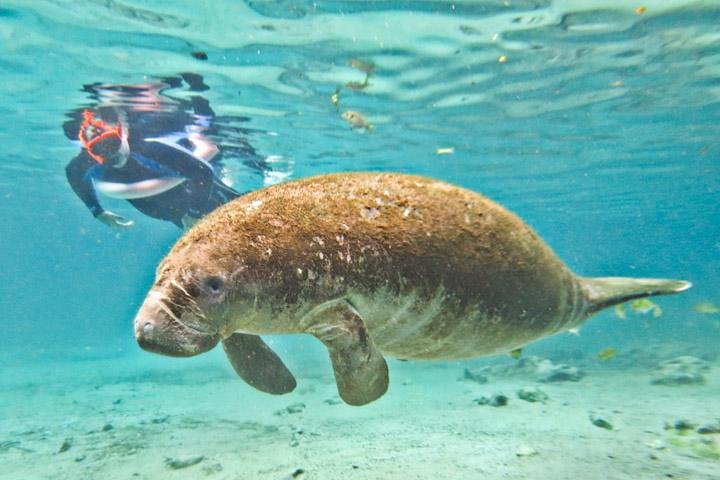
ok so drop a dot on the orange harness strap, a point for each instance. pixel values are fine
(107, 131)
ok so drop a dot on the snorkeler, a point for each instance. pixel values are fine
(150, 149)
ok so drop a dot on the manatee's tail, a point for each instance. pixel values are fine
(603, 292)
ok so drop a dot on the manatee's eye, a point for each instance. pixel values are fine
(214, 285)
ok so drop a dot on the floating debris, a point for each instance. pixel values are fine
(362, 65)
(445, 151)
(517, 353)
(357, 120)
(366, 67)
(641, 9)
(335, 99)
(643, 306)
(706, 308)
(178, 463)
(357, 86)
(606, 354)
(620, 311)
(502, 59)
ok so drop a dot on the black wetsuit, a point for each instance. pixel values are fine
(159, 148)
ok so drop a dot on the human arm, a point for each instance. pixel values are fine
(80, 172)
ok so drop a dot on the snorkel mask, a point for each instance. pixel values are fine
(101, 139)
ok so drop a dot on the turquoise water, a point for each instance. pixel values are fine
(596, 122)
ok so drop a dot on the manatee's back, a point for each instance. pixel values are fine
(371, 233)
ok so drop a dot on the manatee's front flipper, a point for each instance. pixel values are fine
(360, 370)
(257, 364)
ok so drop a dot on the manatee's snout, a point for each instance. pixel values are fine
(160, 329)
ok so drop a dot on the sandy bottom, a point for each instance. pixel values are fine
(94, 417)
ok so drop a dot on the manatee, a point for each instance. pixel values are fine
(373, 265)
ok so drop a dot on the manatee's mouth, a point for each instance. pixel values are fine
(163, 327)
(186, 345)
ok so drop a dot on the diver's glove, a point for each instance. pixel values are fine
(114, 220)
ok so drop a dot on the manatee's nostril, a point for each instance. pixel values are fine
(147, 329)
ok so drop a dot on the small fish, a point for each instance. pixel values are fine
(445, 151)
(517, 353)
(644, 306)
(357, 120)
(362, 65)
(620, 311)
(335, 99)
(706, 307)
(606, 354)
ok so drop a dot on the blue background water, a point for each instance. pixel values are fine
(600, 130)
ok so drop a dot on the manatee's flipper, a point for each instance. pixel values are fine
(257, 364)
(603, 292)
(360, 370)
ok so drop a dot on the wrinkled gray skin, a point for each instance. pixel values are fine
(371, 265)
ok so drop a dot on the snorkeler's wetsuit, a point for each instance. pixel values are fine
(198, 195)
(159, 149)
